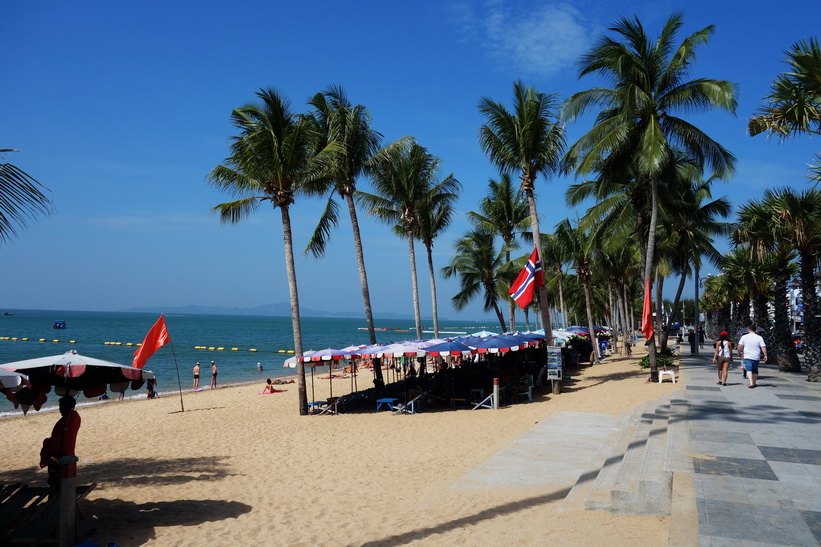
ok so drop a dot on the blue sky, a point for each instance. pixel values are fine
(122, 109)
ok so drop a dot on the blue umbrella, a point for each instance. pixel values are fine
(449, 347)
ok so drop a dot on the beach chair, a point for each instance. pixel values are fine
(527, 394)
(411, 406)
(330, 406)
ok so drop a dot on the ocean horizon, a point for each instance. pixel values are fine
(236, 343)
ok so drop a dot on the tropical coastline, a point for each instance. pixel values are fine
(237, 464)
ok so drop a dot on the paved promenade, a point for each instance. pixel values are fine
(736, 466)
(756, 456)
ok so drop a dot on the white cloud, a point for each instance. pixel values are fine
(532, 39)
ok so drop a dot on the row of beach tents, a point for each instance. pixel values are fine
(480, 342)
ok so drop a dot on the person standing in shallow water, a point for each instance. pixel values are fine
(213, 375)
(196, 376)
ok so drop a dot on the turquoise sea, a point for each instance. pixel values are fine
(106, 335)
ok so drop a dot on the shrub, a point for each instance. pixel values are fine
(662, 360)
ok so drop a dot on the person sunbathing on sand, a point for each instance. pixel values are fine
(269, 387)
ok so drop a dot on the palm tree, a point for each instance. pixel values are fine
(798, 216)
(478, 265)
(432, 222)
(580, 246)
(503, 212)
(692, 221)
(350, 126)
(274, 158)
(22, 199)
(404, 179)
(555, 257)
(793, 106)
(767, 241)
(636, 129)
(529, 140)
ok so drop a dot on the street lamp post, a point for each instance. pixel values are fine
(699, 283)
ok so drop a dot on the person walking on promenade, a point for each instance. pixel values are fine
(700, 338)
(196, 376)
(752, 349)
(691, 339)
(723, 356)
(213, 375)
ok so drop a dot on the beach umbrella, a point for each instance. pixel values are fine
(404, 349)
(483, 334)
(70, 374)
(11, 380)
(448, 347)
(495, 344)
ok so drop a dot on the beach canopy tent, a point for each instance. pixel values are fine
(328, 355)
(483, 334)
(496, 344)
(448, 347)
(70, 374)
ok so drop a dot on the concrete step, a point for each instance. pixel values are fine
(609, 467)
(603, 458)
(640, 483)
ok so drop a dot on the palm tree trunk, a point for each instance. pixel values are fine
(660, 327)
(499, 315)
(433, 292)
(527, 318)
(415, 286)
(648, 267)
(363, 278)
(511, 306)
(785, 354)
(537, 240)
(360, 261)
(561, 301)
(665, 336)
(612, 313)
(620, 311)
(295, 323)
(628, 313)
(812, 326)
(589, 310)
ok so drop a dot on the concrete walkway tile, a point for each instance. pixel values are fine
(731, 520)
(784, 525)
(813, 520)
(725, 449)
(716, 488)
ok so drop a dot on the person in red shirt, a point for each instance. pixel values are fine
(62, 441)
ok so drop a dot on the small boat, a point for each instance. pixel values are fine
(59, 325)
(6, 313)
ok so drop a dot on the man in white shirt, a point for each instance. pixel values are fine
(752, 349)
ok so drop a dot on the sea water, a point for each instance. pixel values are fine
(236, 343)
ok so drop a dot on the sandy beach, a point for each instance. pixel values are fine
(242, 468)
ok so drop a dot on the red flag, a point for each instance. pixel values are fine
(647, 313)
(156, 338)
(529, 278)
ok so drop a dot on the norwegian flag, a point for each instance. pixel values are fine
(529, 278)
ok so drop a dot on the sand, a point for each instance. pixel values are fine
(239, 468)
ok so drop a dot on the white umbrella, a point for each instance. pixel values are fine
(71, 373)
(11, 380)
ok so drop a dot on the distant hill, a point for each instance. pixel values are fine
(282, 309)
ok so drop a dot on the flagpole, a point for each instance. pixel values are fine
(179, 381)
